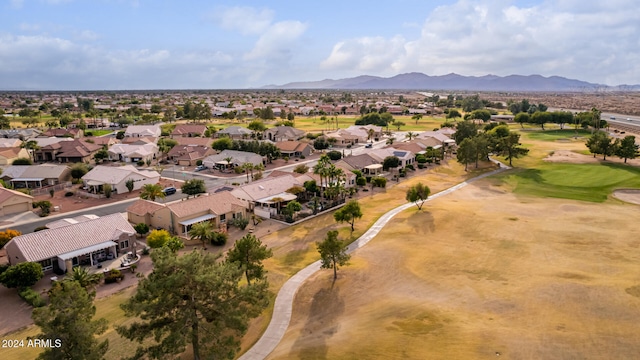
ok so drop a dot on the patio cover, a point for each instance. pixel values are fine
(197, 220)
(87, 250)
(285, 196)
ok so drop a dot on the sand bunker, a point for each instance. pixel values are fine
(568, 156)
(628, 195)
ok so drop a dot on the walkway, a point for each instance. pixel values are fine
(284, 301)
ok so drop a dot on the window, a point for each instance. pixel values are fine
(223, 217)
(124, 244)
(46, 264)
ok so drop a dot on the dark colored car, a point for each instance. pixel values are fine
(369, 145)
(169, 191)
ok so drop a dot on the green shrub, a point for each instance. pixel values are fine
(198, 162)
(107, 190)
(302, 157)
(32, 297)
(140, 163)
(219, 239)
(40, 228)
(114, 275)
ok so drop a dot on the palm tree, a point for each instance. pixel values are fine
(321, 169)
(370, 134)
(202, 231)
(390, 141)
(228, 160)
(31, 146)
(417, 117)
(82, 276)
(151, 192)
(248, 168)
(411, 135)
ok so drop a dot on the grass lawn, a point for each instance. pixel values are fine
(98, 132)
(559, 135)
(586, 182)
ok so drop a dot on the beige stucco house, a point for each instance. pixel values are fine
(179, 216)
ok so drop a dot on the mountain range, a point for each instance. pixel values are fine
(420, 81)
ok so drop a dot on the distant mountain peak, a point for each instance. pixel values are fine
(451, 81)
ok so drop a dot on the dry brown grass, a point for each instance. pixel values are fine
(480, 272)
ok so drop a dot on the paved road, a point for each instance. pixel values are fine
(283, 306)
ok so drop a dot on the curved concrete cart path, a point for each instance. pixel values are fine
(284, 301)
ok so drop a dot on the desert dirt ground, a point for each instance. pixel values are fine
(477, 274)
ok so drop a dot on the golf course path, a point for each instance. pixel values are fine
(284, 301)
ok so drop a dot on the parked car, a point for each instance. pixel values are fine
(200, 168)
(369, 145)
(169, 191)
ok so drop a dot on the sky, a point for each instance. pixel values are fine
(199, 44)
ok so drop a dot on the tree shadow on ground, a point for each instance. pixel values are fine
(322, 323)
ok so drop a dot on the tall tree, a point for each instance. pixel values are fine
(465, 129)
(628, 148)
(349, 213)
(466, 152)
(418, 194)
(248, 253)
(69, 320)
(193, 187)
(333, 253)
(510, 147)
(192, 299)
(603, 144)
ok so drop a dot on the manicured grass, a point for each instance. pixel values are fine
(98, 132)
(585, 182)
(555, 135)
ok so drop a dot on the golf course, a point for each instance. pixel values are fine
(540, 262)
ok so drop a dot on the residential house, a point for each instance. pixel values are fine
(139, 140)
(14, 202)
(283, 133)
(178, 217)
(188, 130)
(84, 243)
(443, 139)
(405, 157)
(202, 141)
(188, 155)
(70, 221)
(67, 151)
(104, 141)
(142, 131)
(9, 154)
(234, 132)
(73, 133)
(361, 162)
(344, 138)
(362, 131)
(267, 196)
(294, 148)
(238, 158)
(7, 143)
(133, 153)
(36, 176)
(117, 177)
(22, 134)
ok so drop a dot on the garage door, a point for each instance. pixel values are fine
(15, 208)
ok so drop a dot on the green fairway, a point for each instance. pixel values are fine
(555, 135)
(585, 182)
(98, 132)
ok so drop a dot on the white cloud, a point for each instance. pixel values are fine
(277, 40)
(597, 42)
(44, 62)
(246, 20)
